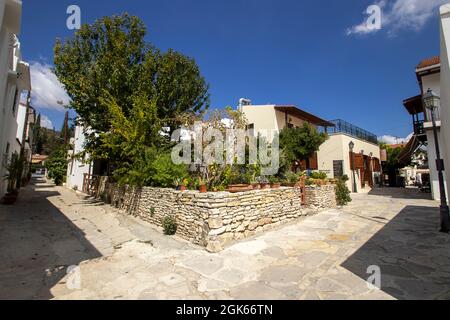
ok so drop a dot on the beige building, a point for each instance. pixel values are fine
(361, 165)
(334, 155)
(267, 120)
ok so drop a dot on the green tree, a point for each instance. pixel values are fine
(392, 165)
(300, 143)
(57, 164)
(111, 60)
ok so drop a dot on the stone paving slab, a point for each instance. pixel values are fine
(320, 257)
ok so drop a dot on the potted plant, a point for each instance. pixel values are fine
(264, 183)
(291, 179)
(274, 182)
(177, 183)
(202, 185)
(184, 184)
(256, 185)
(239, 183)
(14, 169)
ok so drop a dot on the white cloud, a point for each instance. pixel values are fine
(394, 140)
(47, 91)
(46, 122)
(401, 14)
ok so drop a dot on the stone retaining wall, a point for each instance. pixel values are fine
(216, 219)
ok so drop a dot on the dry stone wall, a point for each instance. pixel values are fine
(216, 219)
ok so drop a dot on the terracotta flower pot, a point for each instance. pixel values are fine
(203, 189)
(234, 188)
(275, 185)
(183, 188)
(265, 186)
(256, 186)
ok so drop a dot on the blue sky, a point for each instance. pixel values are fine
(281, 52)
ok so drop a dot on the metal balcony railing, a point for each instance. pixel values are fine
(419, 128)
(342, 126)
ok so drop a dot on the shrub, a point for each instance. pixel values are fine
(169, 225)
(166, 171)
(291, 177)
(318, 175)
(342, 192)
(57, 164)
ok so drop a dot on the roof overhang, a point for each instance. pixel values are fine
(408, 151)
(294, 111)
(414, 105)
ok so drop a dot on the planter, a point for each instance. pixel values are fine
(183, 188)
(256, 186)
(291, 185)
(234, 188)
(203, 189)
(265, 186)
(275, 185)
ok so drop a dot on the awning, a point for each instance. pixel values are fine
(414, 105)
(405, 156)
(293, 110)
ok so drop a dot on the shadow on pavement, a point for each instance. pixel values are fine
(38, 243)
(413, 256)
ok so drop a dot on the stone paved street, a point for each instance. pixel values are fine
(319, 257)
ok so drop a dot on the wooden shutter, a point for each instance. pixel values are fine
(352, 162)
(359, 161)
(303, 165)
(313, 162)
(376, 165)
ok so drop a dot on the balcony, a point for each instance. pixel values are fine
(419, 128)
(342, 126)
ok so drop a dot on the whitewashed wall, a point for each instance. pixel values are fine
(445, 83)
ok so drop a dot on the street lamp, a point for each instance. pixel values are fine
(432, 101)
(351, 146)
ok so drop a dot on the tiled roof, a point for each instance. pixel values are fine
(429, 62)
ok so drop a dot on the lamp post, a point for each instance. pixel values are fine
(351, 146)
(432, 101)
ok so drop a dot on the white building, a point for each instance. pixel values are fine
(14, 79)
(428, 74)
(445, 83)
(81, 171)
(77, 168)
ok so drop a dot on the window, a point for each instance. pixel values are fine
(16, 93)
(338, 168)
(251, 128)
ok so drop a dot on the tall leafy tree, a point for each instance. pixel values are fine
(300, 143)
(110, 59)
